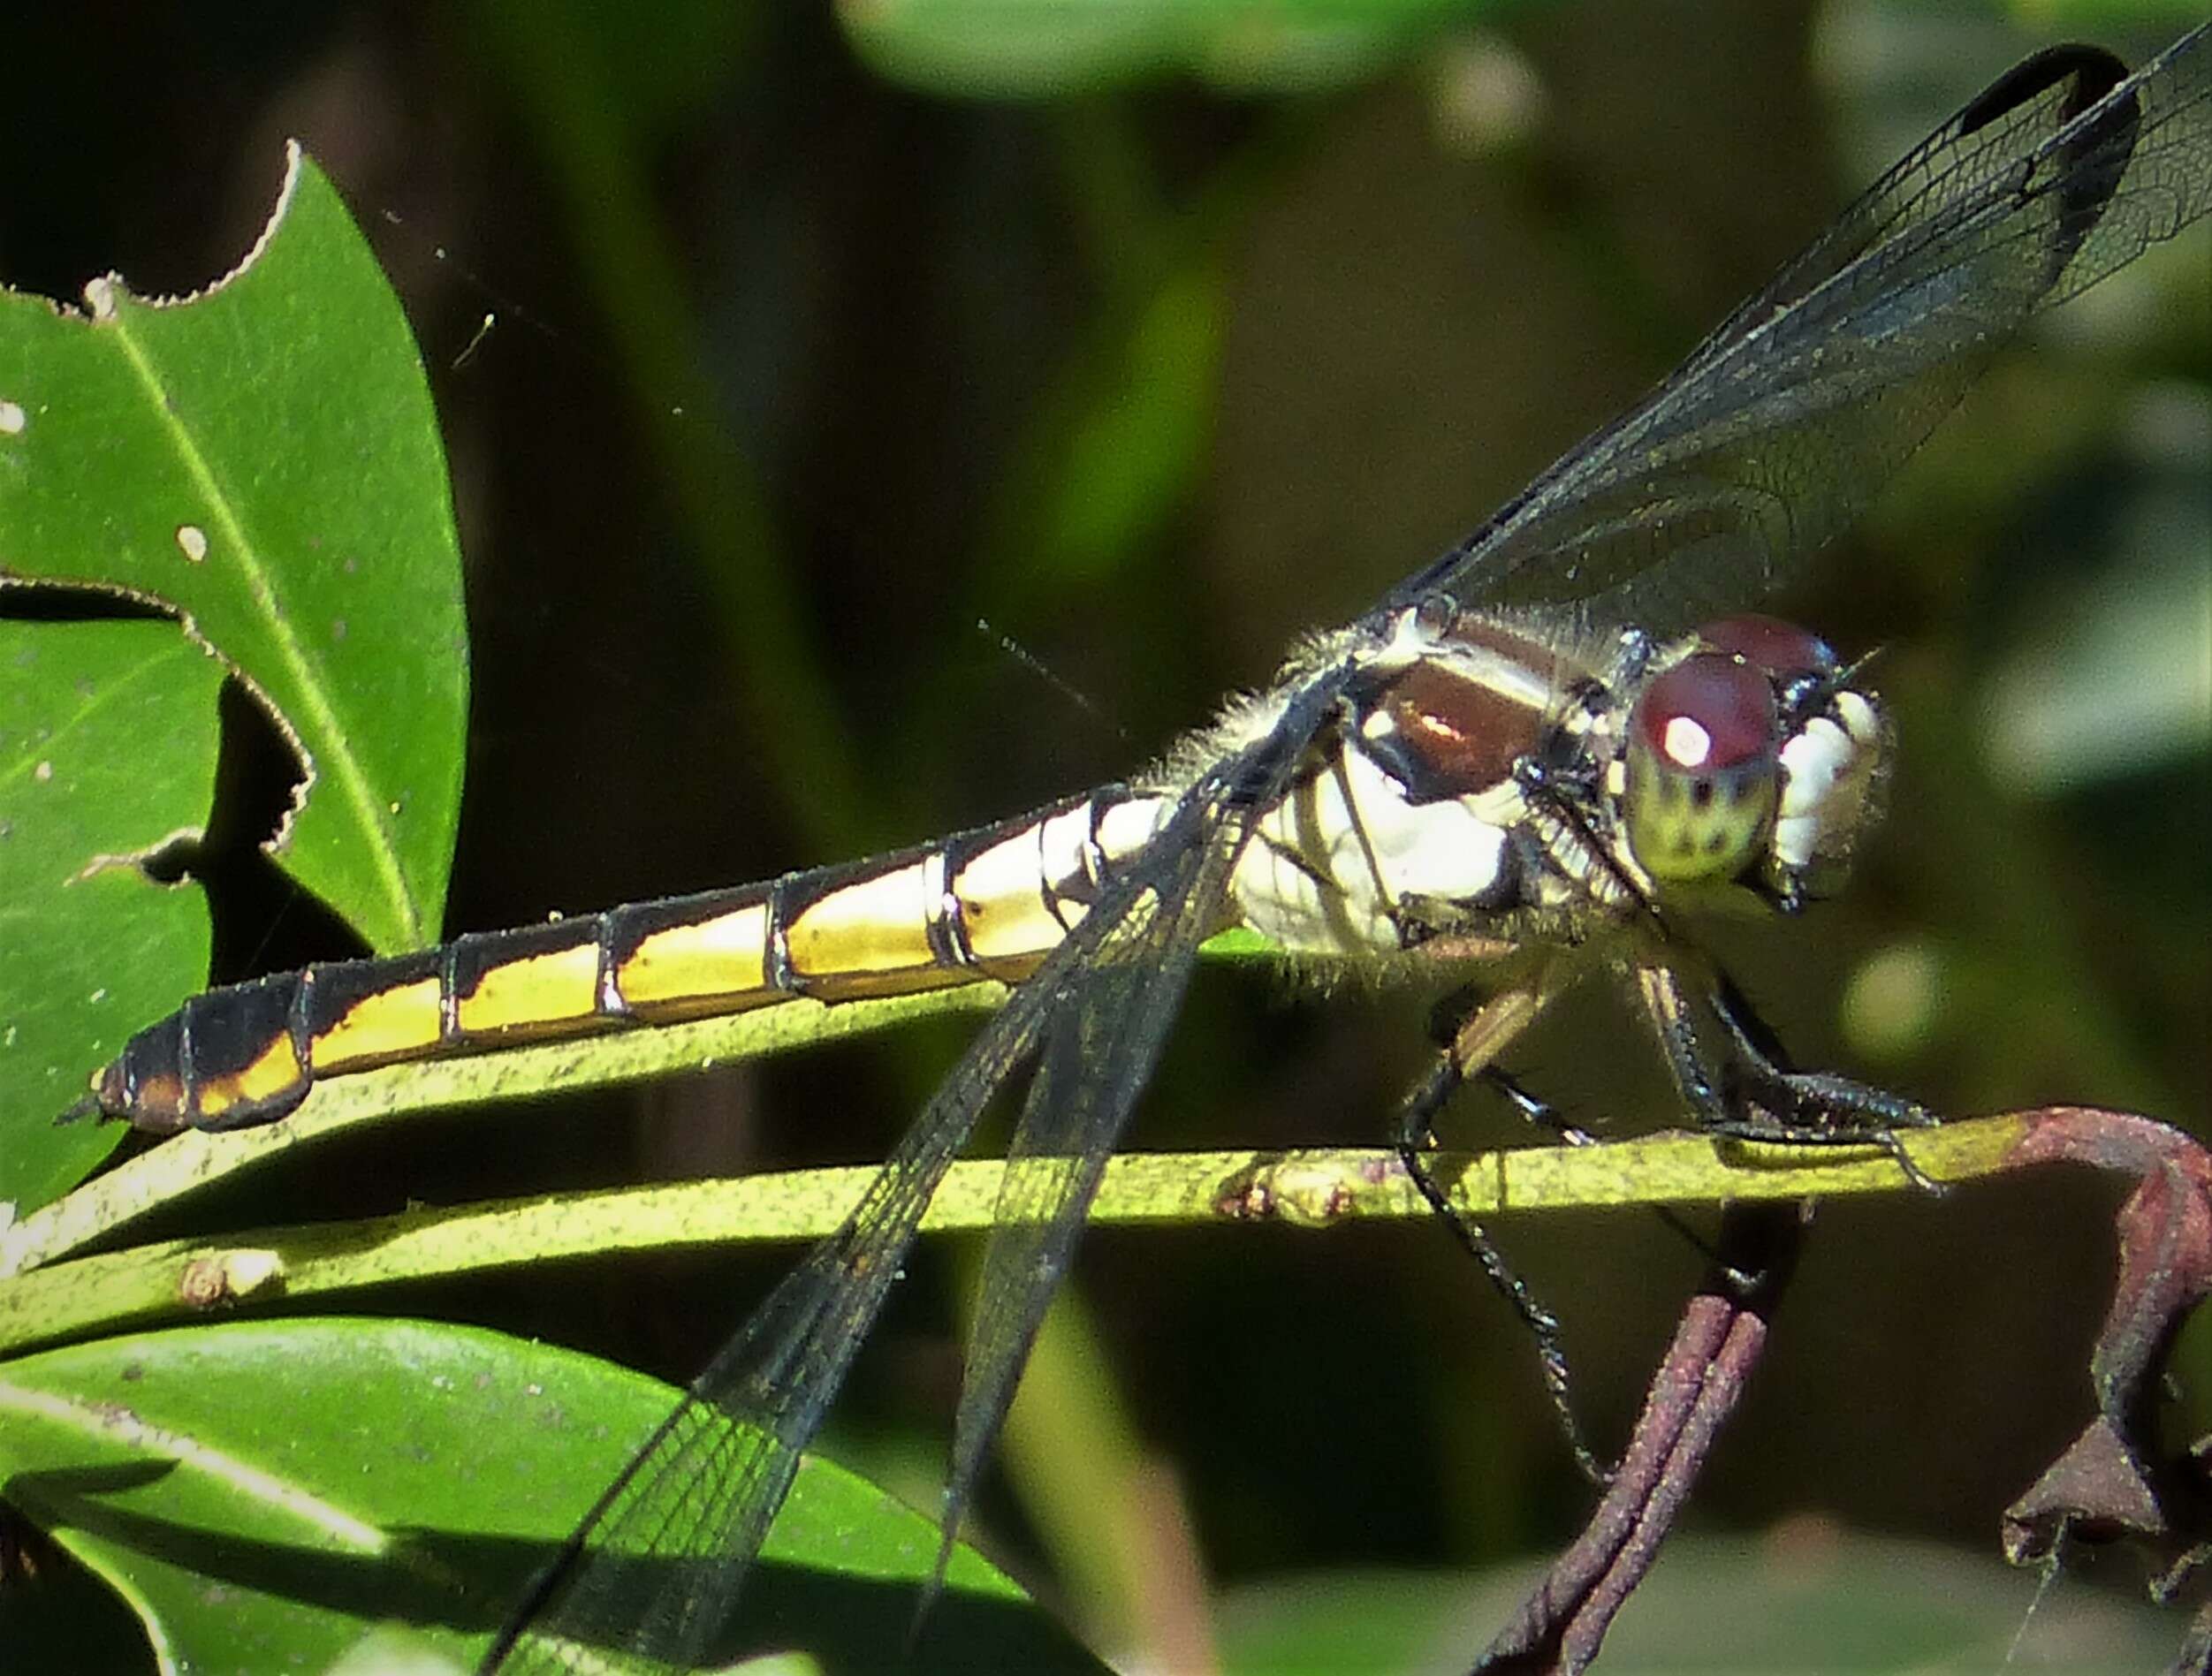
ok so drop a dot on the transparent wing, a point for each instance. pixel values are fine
(1780, 427)
(1099, 1052)
(655, 1570)
(1106, 1034)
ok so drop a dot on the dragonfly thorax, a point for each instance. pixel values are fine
(1414, 812)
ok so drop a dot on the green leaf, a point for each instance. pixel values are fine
(261, 461)
(1044, 49)
(283, 1496)
(108, 742)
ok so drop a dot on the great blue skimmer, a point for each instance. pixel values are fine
(1487, 772)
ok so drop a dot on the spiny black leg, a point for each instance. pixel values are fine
(1844, 1109)
(1757, 1096)
(1848, 1117)
(1536, 1112)
(1415, 1141)
(1539, 1112)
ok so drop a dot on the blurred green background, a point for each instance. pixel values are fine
(828, 351)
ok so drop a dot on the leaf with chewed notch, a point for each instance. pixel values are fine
(262, 462)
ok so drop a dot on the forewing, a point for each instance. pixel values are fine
(1779, 428)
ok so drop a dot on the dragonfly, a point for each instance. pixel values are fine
(1531, 764)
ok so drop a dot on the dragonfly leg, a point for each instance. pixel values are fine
(1541, 1113)
(1753, 1094)
(1488, 1025)
(1536, 1112)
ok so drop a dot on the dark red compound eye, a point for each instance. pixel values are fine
(1781, 650)
(1704, 768)
(1709, 715)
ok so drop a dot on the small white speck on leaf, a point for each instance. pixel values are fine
(42, 773)
(193, 542)
(12, 419)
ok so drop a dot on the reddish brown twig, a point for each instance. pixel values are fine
(2116, 1482)
(1697, 1387)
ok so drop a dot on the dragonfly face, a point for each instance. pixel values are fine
(1753, 757)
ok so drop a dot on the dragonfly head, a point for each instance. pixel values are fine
(1751, 756)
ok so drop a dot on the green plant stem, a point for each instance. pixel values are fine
(179, 1279)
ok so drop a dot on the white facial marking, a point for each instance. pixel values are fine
(1687, 744)
(191, 540)
(12, 419)
(1824, 772)
(1811, 763)
(1859, 717)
